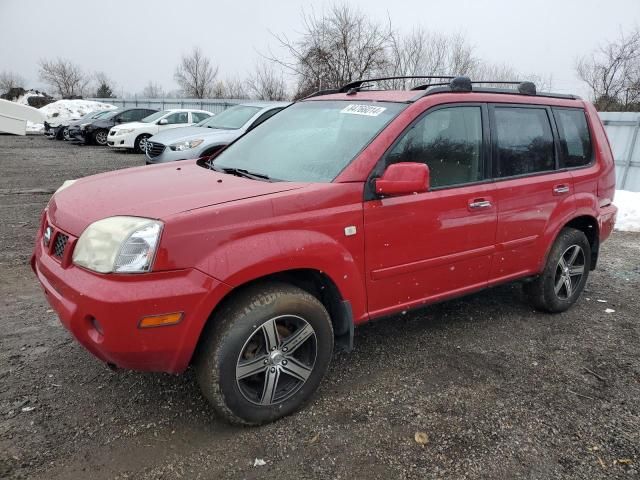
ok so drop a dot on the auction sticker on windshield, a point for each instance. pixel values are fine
(368, 110)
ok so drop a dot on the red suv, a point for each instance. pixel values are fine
(348, 206)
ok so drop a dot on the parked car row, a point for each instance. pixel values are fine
(167, 135)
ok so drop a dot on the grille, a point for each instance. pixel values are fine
(60, 245)
(154, 149)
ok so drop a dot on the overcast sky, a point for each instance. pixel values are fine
(135, 41)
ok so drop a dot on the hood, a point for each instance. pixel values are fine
(157, 192)
(181, 134)
(135, 125)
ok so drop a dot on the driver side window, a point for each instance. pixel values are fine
(448, 141)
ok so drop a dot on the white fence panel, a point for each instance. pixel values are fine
(623, 131)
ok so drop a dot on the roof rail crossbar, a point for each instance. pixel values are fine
(358, 83)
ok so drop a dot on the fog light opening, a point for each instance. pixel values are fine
(94, 330)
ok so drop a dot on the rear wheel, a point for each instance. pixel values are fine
(140, 144)
(564, 275)
(265, 353)
(100, 137)
(60, 133)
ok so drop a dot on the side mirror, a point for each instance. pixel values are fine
(403, 179)
(163, 121)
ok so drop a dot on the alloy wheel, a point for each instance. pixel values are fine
(276, 360)
(569, 272)
(142, 144)
(101, 137)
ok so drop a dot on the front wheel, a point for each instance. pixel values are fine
(264, 353)
(140, 144)
(565, 273)
(100, 137)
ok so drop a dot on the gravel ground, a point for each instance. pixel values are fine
(500, 391)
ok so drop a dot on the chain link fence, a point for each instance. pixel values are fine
(210, 105)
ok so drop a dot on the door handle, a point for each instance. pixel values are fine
(561, 189)
(480, 203)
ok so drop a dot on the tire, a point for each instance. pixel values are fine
(569, 258)
(60, 133)
(65, 134)
(233, 368)
(100, 137)
(139, 145)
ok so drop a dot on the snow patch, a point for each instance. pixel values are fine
(65, 111)
(628, 203)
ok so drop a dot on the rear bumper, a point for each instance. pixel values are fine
(606, 221)
(103, 311)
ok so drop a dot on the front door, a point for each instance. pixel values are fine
(427, 246)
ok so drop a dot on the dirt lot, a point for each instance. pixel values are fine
(501, 391)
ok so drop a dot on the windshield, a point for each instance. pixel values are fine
(231, 119)
(154, 116)
(309, 141)
(101, 114)
(112, 113)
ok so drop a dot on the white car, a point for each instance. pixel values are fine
(134, 135)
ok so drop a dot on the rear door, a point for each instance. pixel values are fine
(427, 246)
(530, 189)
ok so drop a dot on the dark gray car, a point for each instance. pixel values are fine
(211, 134)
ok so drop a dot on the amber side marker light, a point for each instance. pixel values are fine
(160, 320)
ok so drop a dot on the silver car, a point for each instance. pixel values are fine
(210, 135)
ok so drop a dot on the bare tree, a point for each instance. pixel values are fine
(612, 73)
(153, 90)
(424, 53)
(335, 48)
(266, 83)
(231, 87)
(65, 77)
(196, 75)
(9, 80)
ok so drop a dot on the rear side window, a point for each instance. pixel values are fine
(449, 141)
(575, 141)
(524, 141)
(198, 116)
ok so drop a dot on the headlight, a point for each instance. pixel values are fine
(118, 244)
(189, 144)
(122, 131)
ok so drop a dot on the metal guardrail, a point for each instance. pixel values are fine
(209, 105)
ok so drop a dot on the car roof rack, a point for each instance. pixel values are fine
(453, 84)
(353, 87)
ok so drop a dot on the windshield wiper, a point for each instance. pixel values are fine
(241, 172)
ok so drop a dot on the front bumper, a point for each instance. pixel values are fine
(103, 311)
(121, 140)
(168, 155)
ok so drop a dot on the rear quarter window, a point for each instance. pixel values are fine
(575, 140)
